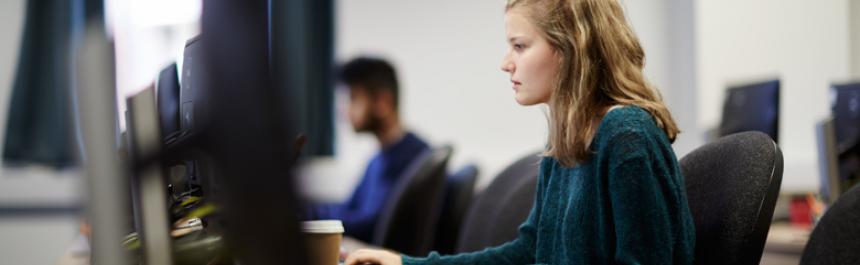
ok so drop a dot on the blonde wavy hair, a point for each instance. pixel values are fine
(601, 64)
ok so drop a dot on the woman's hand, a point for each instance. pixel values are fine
(368, 256)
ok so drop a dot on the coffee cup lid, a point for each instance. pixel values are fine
(322, 226)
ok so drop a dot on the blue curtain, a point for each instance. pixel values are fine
(302, 54)
(41, 127)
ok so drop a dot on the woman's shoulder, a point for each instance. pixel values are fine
(628, 125)
(629, 118)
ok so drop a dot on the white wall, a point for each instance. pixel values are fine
(666, 31)
(854, 29)
(447, 54)
(650, 20)
(36, 239)
(805, 43)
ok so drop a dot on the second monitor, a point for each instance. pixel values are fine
(752, 107)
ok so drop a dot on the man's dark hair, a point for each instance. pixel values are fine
(372, 74)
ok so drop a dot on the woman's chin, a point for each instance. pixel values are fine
(525, 101)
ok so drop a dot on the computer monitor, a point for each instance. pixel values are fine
(846, 114)
(167, 90)
(193, 112)
(752, 107)
(845, 108)
(193, 91)
(247, 133)
(828, 157)
(149, 195)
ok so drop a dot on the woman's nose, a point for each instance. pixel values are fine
(507, 65)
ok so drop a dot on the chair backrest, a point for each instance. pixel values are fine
(732, 185)
(458, 195)
(408, 220)
(495, 215)
(836, 237)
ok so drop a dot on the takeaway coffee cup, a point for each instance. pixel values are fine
(323, 238)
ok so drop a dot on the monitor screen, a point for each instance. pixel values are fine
(846, 131)
(752, 107)
(191, 98)
(142, 124)
(191, 95)
(167, 90)
(846, 114)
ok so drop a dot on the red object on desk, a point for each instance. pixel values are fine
(800, 212)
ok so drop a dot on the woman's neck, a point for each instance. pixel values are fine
(612, 108)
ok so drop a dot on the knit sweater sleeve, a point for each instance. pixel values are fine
(641, 194)
(519, 251)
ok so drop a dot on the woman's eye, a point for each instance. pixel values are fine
(519, 47)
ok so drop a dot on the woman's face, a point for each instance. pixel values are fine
(531, 61)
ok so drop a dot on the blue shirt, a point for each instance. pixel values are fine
(359, 214)
(626, 205)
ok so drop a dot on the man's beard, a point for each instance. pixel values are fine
(373, 125)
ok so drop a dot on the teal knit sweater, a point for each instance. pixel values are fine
(626, 205)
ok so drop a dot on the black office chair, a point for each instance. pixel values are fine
(732, 186)
(458, 195)
(495, 215)
(836, 238)
(408, 220)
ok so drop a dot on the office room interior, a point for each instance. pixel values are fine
(789, 69)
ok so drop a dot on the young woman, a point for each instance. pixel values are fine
(610, 190)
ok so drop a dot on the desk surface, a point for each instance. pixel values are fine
(786, 238)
